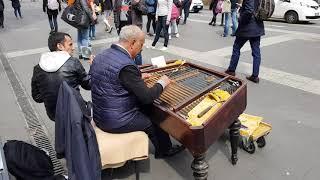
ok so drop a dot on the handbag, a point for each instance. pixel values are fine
(76, 16)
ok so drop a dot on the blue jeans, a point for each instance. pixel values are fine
(234, 22)
(92, 31)
(255, 47)
(83, 39)
(17, 11)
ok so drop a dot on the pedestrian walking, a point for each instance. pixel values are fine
(52, 7)
(186, 8)
(250, 29)
(1, 14)
(173, 28)
(83, 33)
(163, 17)
(151, 6)
(216, 7)
(226, 11)
(108, 7)
(17, 8)
(92, 27)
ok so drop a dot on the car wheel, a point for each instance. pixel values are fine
(291, 17)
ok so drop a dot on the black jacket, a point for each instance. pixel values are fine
(15, 3)
(249, 26)
(75, 138)
(47, 77)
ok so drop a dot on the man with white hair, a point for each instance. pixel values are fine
(119, 91)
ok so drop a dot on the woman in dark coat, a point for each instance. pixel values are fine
(16, 6)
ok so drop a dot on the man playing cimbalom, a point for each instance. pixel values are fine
(118, 92)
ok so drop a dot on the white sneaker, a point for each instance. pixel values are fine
(170, 37)
(153, 47)
(177, 35)
(163, 48)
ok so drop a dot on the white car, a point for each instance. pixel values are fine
(296, 10)
(196, 6)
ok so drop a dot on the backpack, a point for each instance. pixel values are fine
(27, 162)
(219, 6)
(53, 4)
(141, 7)
(265, 9)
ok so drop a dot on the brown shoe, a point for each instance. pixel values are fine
(253, 79)
(231, 73)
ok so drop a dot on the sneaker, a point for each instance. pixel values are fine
(170, 37)
(177, 35)
(210, 23)
(153, 47)
(163, 48)
(93, 38)
(233, 35)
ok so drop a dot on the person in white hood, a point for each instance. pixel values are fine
(54, 68)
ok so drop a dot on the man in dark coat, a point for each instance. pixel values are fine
(1, 13)
(16, 6)
(249, 29)
(55, 67)
(119, 92)
(186, 8)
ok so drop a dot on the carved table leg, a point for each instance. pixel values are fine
(200, 167)
(234, 140)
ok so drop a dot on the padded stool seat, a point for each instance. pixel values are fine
(116, 149)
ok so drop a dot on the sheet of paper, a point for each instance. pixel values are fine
(158, 61)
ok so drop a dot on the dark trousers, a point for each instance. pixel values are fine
(17, 11)
(151, 18)
(159, 138)
(255, 47)
(122, 24)
(52, 17)
(186, 9)
(1, 18)
(161, 25)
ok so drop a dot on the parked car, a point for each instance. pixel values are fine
(294, 11)
(196, 6)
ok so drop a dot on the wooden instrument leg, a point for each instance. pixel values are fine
(200, 167)
(234, 140)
